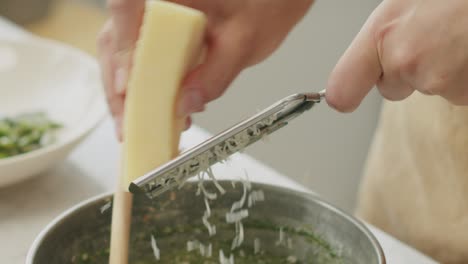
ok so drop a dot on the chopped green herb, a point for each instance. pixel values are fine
(25, 133)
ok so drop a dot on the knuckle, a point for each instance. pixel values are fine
(103, 40)
(241, 37)
(400, 60)
(380, 32)
(404, 61)
(104, 37)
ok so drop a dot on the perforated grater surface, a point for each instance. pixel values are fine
(221, 146)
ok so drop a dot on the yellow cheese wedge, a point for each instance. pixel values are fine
(170, 43)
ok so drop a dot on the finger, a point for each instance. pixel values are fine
(223, 62)
(442, 73)
(115, 100)
(357, 71)
(127, 16)
(397, 61)
(121, 65)
(392, 85)
(104, 45)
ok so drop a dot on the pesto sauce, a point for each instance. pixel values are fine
(324, 253)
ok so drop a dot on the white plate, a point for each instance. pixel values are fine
(43, 75)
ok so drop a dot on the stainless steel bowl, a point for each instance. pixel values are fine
(318, 230)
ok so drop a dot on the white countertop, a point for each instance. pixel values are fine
(26, 208)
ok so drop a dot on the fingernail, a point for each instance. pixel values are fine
(120, 83)
(190, 102)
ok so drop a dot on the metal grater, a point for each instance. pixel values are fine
(218, 148)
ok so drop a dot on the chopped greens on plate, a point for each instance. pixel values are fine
(25, 133)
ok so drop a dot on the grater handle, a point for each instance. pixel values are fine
(315, 97)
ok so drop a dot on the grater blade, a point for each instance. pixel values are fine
(218, 148)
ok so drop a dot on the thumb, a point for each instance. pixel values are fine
(357, 71)
(224, 60)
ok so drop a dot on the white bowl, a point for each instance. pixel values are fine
(43, 75)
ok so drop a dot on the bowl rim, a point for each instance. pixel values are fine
(304, 194)
(90, 119)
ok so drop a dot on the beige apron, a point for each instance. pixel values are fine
(415, 185)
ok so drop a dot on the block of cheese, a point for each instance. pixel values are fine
(170, 43)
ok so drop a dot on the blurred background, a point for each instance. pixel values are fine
(324, 150)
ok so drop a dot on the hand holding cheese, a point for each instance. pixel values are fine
(240, 33)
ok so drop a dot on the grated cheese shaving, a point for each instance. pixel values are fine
(233, 217)
(239, 238)
(255, 196)
(211, 228)
(201, 188)
(289, 243)
(210, 174)
(239, 204)
(192, 245)
(256, 245)
(201, 167)
(106, 207)
(224, 260)
(205, 251)
(155, 248)
(209, 251)
(280, 237)
(292, 259)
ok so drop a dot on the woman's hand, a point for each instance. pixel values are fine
(406, 45)
(240, 33)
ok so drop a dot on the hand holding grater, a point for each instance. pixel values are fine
(218, 148)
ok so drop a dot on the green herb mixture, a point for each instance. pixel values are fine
(25, 133)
